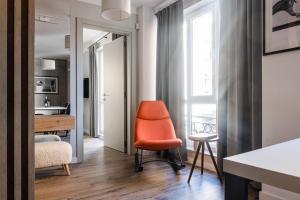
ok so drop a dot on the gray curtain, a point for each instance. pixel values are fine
(93, 91)
(169, 65)
(240, 77)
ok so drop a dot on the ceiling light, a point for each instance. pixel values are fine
(116, 10)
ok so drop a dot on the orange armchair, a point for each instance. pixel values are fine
(154, 131)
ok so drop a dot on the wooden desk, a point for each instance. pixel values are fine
(47, 123)
(276, 165)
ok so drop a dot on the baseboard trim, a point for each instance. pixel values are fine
(74, 160)
(86, 132)
(272, 193)
(267, 196)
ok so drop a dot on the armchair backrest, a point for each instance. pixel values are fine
(153, 121)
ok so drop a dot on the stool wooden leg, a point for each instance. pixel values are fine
(213, 159)
(195, 161)
(202, 157)
(67, 169)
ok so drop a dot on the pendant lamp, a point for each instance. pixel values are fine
(116, 10)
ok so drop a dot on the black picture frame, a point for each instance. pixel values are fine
(265, 53)
(55, 78)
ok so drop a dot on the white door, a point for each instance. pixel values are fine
(113, 94)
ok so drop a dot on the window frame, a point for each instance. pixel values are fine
(206, 99)
(189, 15)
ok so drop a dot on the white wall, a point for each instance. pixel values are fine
(146, 53)
(280, 108)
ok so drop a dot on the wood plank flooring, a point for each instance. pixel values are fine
(108, 174)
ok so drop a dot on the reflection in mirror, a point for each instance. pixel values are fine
(52, 54)
(52, 69)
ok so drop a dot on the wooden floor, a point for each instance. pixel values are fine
(108, 174)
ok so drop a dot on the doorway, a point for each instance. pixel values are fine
(104, 90)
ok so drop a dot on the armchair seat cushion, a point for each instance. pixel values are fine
(156, 145)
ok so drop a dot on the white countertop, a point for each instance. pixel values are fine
(277, 165)
(51, 108)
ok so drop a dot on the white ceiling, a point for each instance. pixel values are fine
(90, 36)
(50, 38)
(135, 3)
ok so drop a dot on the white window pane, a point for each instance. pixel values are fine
(202, 68)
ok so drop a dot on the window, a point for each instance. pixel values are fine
(200, 73)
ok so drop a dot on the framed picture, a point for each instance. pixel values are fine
(281, 26)
(46, 85)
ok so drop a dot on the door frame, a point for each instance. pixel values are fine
(130, 107)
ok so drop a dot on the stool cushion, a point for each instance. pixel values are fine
(202, 136)
(47, 138)
(49, 154)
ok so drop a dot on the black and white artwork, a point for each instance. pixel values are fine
(46, 85)
(282, 26)
(286, 14)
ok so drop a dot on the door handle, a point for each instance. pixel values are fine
(105, 95)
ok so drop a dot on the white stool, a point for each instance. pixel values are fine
(204, 138)
(51, 151)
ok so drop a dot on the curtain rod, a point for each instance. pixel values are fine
(186, 3)
(104, 36)
(163, 5)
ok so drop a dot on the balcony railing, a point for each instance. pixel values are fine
(202, 124)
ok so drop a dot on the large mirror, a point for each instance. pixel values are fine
(52, 58)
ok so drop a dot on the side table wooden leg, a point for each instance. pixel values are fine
(214, 161)
(195, 161)
(202, 157)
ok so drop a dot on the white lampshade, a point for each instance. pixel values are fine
(47, 64)
(116, 10)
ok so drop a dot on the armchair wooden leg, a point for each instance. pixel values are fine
(195, 161)
(67, 169)
(180, 158)
(139, 162)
